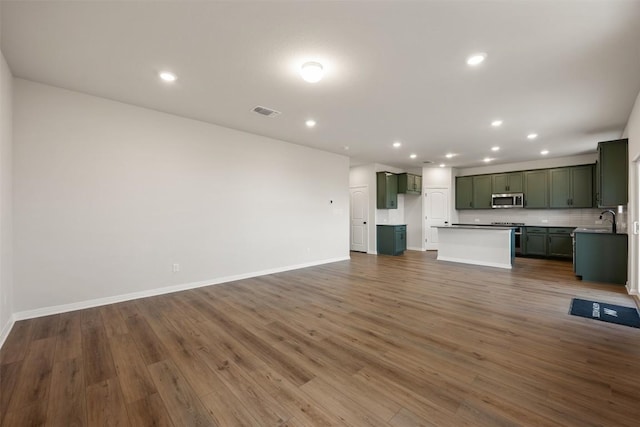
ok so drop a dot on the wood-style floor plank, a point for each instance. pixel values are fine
(105, 404)
(67, 405)
(374, 341)
(182, 404)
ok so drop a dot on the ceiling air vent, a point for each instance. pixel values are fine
(266, 111)
(428, 162)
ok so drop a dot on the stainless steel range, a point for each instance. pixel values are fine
(518, 232)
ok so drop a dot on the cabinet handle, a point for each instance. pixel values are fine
(470, 204)
(568, 202)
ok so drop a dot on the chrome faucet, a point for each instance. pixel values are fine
(613, 220)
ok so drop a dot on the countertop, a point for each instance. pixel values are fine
(606, 231)
(482, 227)
(594, 229)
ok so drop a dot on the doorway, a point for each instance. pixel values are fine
(359, 214)
(436, 214)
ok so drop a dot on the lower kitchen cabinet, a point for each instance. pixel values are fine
(392, 239)
(535, 241)
(601, 257)
(548, 242)
(560, 245)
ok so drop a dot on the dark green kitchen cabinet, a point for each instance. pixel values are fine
(560, 243)
(536, 189)
(612, 173)
(535, 241)
(409, 183)
(392, 239)
(482, 192)
(464, 192)
(571, 187)
(387, 190)
(507, 183)
(601, 257)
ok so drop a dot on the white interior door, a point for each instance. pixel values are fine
(359, 207)
(436, 209)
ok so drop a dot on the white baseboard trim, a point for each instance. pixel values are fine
(414, 248)
(6, 329)
(56, 309)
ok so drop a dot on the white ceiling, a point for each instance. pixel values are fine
(567, 70)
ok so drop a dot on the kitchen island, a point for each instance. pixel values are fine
(478, 245)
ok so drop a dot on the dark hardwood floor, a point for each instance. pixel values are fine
(375, 341)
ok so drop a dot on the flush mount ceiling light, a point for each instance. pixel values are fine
(532, 136)
(449, 155)
(544, 152)
(413, 156)
(168, 76)
(310, 123)
(476, 59)
(496, 148)
(397, 144)
(311, 72)
(487, 159)
(496, 123)
(442, 165)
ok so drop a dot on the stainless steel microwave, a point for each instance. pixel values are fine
(511, 200)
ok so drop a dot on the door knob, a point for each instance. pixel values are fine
(364, 222)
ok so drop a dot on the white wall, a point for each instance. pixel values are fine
(108, 197)
(632, 132)
(6, 227)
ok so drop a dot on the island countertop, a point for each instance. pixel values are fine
(481, 227)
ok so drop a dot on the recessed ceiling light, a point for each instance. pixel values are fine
(496, 123)
(397, 144)
(496, 148)
(346, 148)
(544, 152)
(311, 72)
(310, 123)
(168, 76)
(442, 165)
(413, 156)
(487, 159)
(532, 136)
(449, 155)
(476, 59)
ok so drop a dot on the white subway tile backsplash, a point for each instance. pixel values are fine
(543, 217)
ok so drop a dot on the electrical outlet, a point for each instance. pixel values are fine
(176, 268)
(544, 221)
(598, 221)
(476, 220)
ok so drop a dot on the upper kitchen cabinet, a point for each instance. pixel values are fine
(409, 183)
(536, 189)
(506, 183)
(482, 192)
(464, 192)
(571, 187)
(612, 173)
(387, 190)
